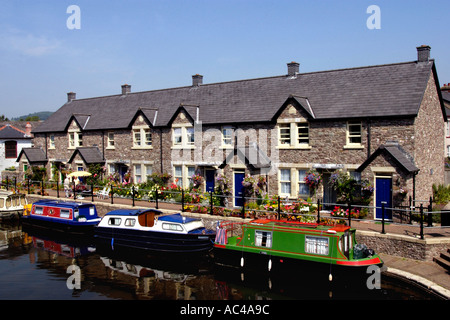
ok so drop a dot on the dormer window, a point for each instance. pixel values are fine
(75, 139)
(142, 137)
(293, 134)
(183, 136)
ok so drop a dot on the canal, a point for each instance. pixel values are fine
(45, 267)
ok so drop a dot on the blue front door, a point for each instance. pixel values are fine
(209, 180)
(238, 189)
(383, 193)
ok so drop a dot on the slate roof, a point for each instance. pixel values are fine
(251, 155)
(446, 95)
(400, 156)
(376, 91)
(33, 155)
(90, 155)
(10, 132)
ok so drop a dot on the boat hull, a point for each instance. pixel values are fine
(280, 265)
(79, 228)
(154, 241)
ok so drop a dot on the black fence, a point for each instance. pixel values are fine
(419, 213)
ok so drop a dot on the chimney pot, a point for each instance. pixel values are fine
(197, 80)
(126, 88)
(293, 68)
(28, 129)
(71, 96)
(423, 53)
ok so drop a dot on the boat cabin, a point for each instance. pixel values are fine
(150, 219)
(11, 204)
(62, 211)
(298, 241)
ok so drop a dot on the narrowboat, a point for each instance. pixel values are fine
(149, 230)
(277, 246)
(54, 215)
(11, 204)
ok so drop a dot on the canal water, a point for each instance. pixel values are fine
(37, 266)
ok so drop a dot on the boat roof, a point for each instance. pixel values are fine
(303, 225)
(132, 212)
(177, 218)
(62, 204)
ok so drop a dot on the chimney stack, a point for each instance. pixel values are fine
(28, 129)
(126, 88)
(71, 96)
(446, 87)
(197, 80)
(293, 69)
(423, 53)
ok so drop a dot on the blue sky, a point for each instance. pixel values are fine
(157, 44)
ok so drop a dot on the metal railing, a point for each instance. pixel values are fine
(219, 204)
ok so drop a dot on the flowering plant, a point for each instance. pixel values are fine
(197, 180)
(313, 179)
(339, 212)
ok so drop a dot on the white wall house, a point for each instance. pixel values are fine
(12, 141)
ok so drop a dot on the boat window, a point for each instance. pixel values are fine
(263, 238)
(76, 213)
(65, 213)
(130, 222)
(91, 211)
(172, 227)
(316, 245)
(23, 201)
(8, 202)
(2, 202)
(114, 221)
(38, 210)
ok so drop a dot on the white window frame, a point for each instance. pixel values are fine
(285, 182)
(289, 136)
(301, 182)
(110, 144)
(301, 137)
(317, 245)
(75, 138)
(284, 138)
(142, 137)
(137, 170)
(51, 142)
(227, 137)
(261, 235)
(178, 175)
(183, 136)
(352, 135)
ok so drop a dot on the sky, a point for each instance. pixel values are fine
(47, 50)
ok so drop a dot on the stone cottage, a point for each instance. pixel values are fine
(383, 123)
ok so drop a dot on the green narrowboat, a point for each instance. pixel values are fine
(276, 245)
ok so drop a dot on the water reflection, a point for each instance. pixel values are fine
(34, 265)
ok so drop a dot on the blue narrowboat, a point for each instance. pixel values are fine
(149, 230)
(64, 216)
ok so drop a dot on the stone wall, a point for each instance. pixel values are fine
(403, 246)
(422, 137)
